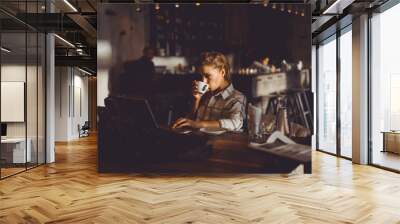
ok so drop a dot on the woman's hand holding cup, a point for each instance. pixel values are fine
(198, 89)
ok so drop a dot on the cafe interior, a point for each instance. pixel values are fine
(270, 66)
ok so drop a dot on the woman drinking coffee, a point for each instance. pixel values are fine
(220, 105)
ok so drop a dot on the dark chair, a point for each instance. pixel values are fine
(84, 130)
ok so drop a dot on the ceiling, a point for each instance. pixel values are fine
(326, 21)
(76, 22)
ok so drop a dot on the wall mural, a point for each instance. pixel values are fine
(204, 88)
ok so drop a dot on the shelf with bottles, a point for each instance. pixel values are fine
(178, 32)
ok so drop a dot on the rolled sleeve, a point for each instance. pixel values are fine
(227, 107)
(234, 122)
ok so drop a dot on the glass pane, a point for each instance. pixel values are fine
(13, 86)
(23, 88)
(385, 84)
(32, 97)
(327, 97)
(346, 94)
(41, 98)
(32, 84)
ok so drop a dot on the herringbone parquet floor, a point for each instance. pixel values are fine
(71, 191)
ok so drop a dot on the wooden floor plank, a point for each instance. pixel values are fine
(71, 191)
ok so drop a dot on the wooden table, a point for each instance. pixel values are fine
(286, 154)
(231, 154)
(123, 147)
(14, 150)
(391, 141)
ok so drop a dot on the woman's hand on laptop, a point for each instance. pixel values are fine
(185, 122)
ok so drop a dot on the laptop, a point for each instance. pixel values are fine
(140, 108)
(184, 130)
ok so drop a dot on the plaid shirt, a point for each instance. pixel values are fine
(227, 107)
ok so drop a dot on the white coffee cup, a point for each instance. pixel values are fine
(202, 87)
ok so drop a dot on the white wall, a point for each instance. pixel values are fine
(10, 73)
(79, 117)
(70, 84)
(63, 83)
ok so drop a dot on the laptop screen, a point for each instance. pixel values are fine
(137, 110)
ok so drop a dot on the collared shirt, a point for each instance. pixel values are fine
(227, 107)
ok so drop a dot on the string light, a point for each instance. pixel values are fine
(197, 3)
(290, 9)
(138, 9)
(65, 41)
(5, 50)
(70, 5)
(176, 5)
(84, 71)
(157, 7)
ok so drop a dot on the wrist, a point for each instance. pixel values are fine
(202, 124)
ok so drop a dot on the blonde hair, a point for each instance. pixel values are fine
(217, 60)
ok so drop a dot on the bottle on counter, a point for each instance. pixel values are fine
(299, 65)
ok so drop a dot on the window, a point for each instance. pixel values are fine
(334, 106)
(327, 96)
(346, 93)
(385, 85)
